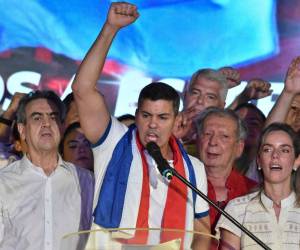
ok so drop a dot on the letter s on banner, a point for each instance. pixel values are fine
(15, 83)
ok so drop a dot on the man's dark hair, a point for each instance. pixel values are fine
(160, 91)
(40, 94)
(68, 100)
(126, 117)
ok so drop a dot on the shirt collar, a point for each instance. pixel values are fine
(287, 202)
(28, 164)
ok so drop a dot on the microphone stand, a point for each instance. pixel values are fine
(228, 216)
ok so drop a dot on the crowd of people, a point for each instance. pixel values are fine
(70, 165)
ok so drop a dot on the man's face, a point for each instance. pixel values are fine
(76, 149)
(155, 121)
(218, 145)
(203, 93)
(293, 117)
(42, 128)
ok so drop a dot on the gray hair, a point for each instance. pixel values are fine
(213, 75)
(227, 113)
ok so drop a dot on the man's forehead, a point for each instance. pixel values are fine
(161, 104)
(221, 122)
(203, 82)
(41, 106)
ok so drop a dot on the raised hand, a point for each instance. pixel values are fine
(121, 14)
(293, 116)
(283, 110)
(232, 76)
(257, 89)
(184, 127)
(13, 106)
(292, 80)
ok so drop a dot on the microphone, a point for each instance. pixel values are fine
(162, 164)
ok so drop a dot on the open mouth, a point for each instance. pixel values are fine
(46, 134)
(151, 137)
(212, 155)
(275, 167)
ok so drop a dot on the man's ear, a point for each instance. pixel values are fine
(21, 129)
(240, 148)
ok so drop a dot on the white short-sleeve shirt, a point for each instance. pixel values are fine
(103, 151)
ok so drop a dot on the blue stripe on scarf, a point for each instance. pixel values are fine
(192, 177)
(108, 212)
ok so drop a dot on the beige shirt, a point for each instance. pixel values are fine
(256, 213)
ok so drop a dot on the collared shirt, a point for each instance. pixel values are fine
(237, 185)
(38, 210)
(255, 211)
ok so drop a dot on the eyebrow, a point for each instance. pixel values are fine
(146, 112)
(39, 113)
(282, 145)
(35, 113)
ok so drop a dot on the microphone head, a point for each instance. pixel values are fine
(162, 164)
(152, 147)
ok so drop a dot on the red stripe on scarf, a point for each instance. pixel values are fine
(141, 237)
(175, 209)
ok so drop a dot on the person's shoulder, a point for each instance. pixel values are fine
(10, 169)
(195, 160)
(243, 200)
(84, 173)
(11, 179)
(81, 173)
(197, 165)
(114, 131)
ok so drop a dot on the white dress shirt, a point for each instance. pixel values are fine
(37, 210)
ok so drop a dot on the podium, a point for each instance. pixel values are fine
(131, 239)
